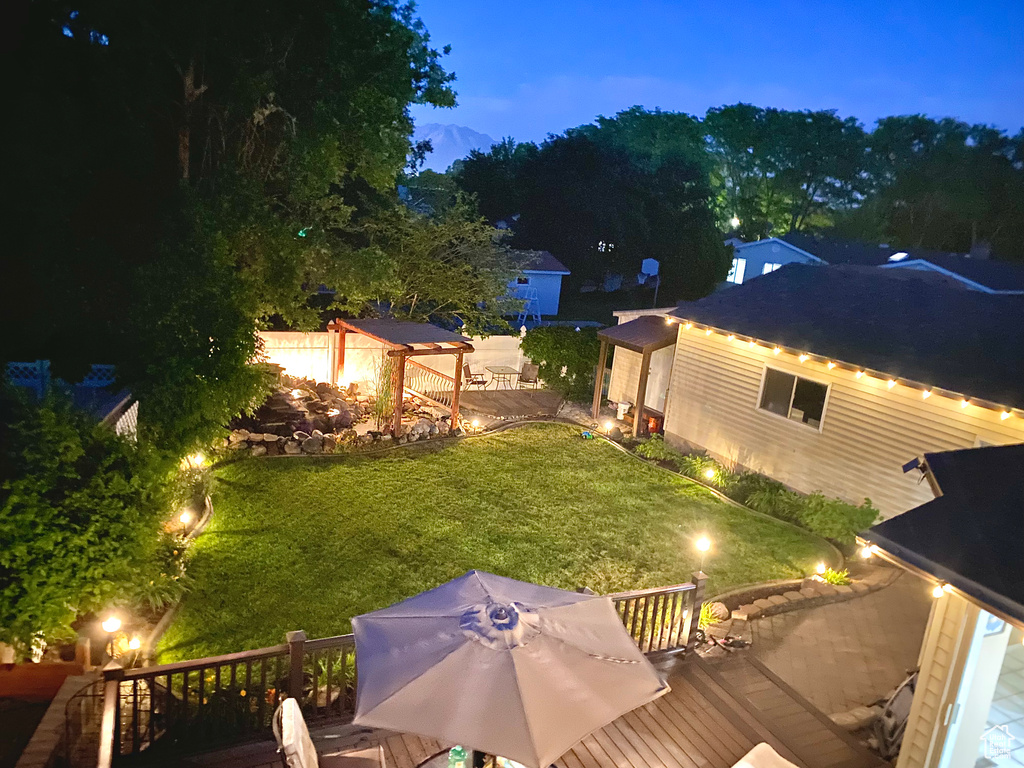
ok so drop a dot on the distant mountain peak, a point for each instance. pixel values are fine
(450, 143)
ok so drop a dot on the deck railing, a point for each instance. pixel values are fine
(433, 386)
(192, 705)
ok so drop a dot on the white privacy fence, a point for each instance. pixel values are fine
(310, 355)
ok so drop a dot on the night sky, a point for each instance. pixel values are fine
(526, 69)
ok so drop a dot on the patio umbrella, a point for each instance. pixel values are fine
(499, 666)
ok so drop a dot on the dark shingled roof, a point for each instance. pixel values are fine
(997, 275)
(970, 536)
(402, 332)
(542, 261)
(649, 332)
(902, 322)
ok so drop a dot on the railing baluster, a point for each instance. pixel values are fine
(330, 671)
(135, 716)
(664, 615)
(263, 692)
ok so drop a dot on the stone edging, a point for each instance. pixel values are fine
(813, 593)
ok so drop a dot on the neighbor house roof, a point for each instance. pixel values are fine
(645, 334)
(783, 244)
(905, 323)
(970, 536)
(542, 261)
(983, 274)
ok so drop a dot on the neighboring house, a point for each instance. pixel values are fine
(826, 378)
(968, 707)
(762, 257)
(540, 282)
(975, 271)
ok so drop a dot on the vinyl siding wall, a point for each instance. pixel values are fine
(942, 653)
(868, 431)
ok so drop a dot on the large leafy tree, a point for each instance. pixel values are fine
(604, 197)
(781, 171)
(185, 170)
(946, 185)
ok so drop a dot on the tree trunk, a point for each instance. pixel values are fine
(189, 95)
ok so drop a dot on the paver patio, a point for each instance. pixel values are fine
(847, 654)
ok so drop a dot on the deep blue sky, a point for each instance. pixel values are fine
(526, 69)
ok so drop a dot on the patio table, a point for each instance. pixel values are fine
(502, 374)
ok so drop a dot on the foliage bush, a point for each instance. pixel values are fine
(828, 517)
(836, 519)
(838, 578)
(79, 505)
(566, 357)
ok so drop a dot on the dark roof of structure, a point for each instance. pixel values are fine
(905, 323)
(971, 535)
(542, 261)
(645, 334)
(993, 274)
(399, 333)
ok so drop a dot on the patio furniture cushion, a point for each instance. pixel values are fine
(763, 756)
(293, 737)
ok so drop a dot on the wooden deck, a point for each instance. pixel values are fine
(511, 403)
(713, 715)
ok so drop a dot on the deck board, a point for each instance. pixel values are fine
(511, 403)
(713, 715)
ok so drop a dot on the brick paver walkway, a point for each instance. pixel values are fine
(847, 654)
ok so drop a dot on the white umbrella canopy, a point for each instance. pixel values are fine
(500, 666)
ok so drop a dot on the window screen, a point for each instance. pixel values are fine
(777, 392)
(793, 397)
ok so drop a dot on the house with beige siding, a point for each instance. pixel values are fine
(967, 544)
(827, 378)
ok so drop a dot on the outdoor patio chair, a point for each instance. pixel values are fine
(470, 379)
(529, 376)
(298, 751)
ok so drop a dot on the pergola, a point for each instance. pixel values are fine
(405, 339)
(645, 335)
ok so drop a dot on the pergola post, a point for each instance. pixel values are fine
(396, 427)
(457, 392)
(339, 351)
(599, 379)
(641, 392)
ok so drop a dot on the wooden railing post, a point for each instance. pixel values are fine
(456, 386)
(700, 580)
(296, 649)
(110, 722)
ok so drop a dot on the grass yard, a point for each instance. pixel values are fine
(308, 543)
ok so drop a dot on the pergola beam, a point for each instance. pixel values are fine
(412, 352)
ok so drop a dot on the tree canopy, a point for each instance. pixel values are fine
(186, 171)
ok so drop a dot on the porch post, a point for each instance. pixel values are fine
(457, 392)
(296, 646)
(339, 368)
(641, 393)
(700, 580)
(599, 379)
(396, 425)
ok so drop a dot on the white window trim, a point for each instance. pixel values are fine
(737, 271)
(773, 264)
(792, 394)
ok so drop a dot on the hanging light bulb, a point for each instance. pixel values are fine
(859, 374)
(926, 394)
(776, 351)
(688, 326)
(1004, 415)
(964, 403)
(890, 383)
(803, 358)
(830, 365)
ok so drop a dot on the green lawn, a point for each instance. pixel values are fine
(309, 543)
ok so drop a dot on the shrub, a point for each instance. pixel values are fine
(839, 578)
(656, 449)
(743, 485)
(697, 466)
(777, 502)
(567, 358)
(836, 519)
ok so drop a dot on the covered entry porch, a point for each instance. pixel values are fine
(643, 336)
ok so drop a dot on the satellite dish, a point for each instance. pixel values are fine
(649, 266)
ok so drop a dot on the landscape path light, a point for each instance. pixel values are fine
(110, 625)
(703, 544)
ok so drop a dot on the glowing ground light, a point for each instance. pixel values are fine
(703, 544)
(608, 426)
(820, 568)
(111, 624)
(134, 644)
(865, 552)
(185, 517)
(709, 473)
(475, 423)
